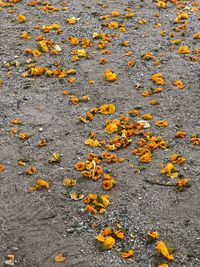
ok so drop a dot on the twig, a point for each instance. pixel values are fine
(158, 183)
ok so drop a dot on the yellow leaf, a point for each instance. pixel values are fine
(113, 25)
(81, 53)
(110, 76)
(24, 136)
(42, 142)
(158, 79)
(109, 242)
(40, 184)
(17, 121)
(162, 123)
(163, 265)
(183, 50)
(119, 234)
(21, 162)
(72, 20)
(153, 235)
(100, 238)
(92, 143)
(69, 182)
(111, 128)
(43, 46)
(128, 254)
(107, 109)
(161, 4)
(55, 158)
(21, 18)
(108, 184)
(179, 84)
(170, 171)
(13, 131)
(115, 13)
(107, 231)
(31, 170)
(162, 248)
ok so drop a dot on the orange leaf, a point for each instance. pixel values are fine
(59, 258)
(2, 168)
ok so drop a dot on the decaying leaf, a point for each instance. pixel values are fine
(76, 196)
(55, 158)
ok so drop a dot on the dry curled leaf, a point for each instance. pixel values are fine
(24, 136)
(21, 162)
(40, 184)
(76, 196)
(21, 18)
(16, 121)
(107, 109)
(107, 242)
(42, 142)
(10, 261)
(59, 258)
(2, 167)
(110, 76)
(31, 170)
(170, 171)
(127, 253)
(72, 20)
(69, 182)
(162, 248)
(13, 131)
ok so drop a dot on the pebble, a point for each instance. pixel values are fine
(40, 129)
(79, 230)
(143, 258)
(90, 230)
(81, 211)
(70, 230)
(80, 223)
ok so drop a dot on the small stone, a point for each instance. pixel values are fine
(70, 230)
(40, 129)
(80, 224)
(90, 231)
(143, 258)
(79, 230)
(81, 211)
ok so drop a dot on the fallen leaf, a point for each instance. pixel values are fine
(76, 196)
(60, 258)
